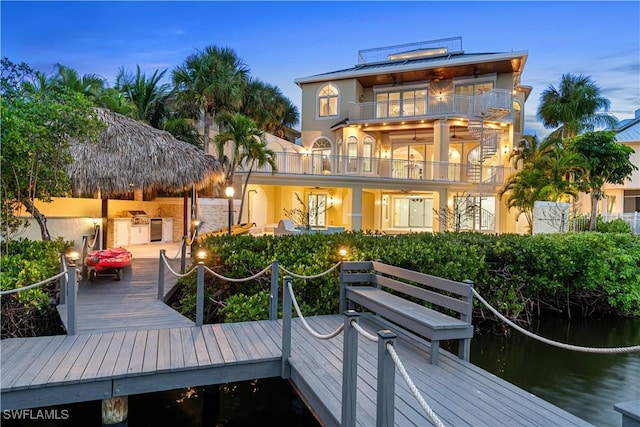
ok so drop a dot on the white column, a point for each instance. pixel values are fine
(356, 209)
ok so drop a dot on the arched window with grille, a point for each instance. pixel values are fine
(328, 101)
(517, 117)
(367, 153)
(321, 156)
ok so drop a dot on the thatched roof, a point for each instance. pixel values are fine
(131, 155)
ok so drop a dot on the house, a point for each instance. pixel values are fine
(401, 142)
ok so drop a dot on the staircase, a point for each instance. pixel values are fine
(488, 147)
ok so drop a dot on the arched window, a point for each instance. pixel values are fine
(517, 119)
(328, 101)
(352, 154)
(367, 153)
(340, 155)
(321, 156)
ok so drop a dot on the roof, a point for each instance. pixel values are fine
(628, 130)
(406, 65)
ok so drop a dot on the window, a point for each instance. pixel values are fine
(317, 210)
(328, 101)
(352, 154)
(340, 155)
(474, 89)
(367, 153)
(321, 156)
(401, 104)
(517, 119)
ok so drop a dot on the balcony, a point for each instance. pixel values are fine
(346, 166)
(492, 105)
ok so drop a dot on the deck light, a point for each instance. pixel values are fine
(229, 192)
(201, 255)
(73, 256)
(343, 252)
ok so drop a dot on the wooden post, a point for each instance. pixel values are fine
(71, 299)
(83, 255)
(349, 369)
(273, 306)
(464, 351)
(386, 381)
(343, 297)
(63, 280)
(115, 411)
(161, 274)
(200, 294)
(183, 255)
(286, 328)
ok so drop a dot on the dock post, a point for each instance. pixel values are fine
(72, 289)
(464, 350)
(343, 298)
(286, 328)
(200, 294)
(349, 369)
(115, 411)
(161, 274)
(183, 255)
(273, 304)
(83, 256)
(63, 280)
(386, 381)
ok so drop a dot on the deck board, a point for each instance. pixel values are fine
(150, 359)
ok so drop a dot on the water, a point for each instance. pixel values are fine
(585, 384)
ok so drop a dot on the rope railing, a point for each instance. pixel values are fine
(175, 273)
(363, 332)
(412, 387)
(304, 322)
(597, 350)
(35, 285)
(315, 276)
(244, 279)
(184, 242)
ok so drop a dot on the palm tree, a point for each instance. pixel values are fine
(210, 81)
(574, 106)
(255, 154)
(240, 132)
(90, 85)
(272, 111)
(559, 167)
(148, 94)
(530, 150)
(116, 101)
(522, 190)
(183, 129)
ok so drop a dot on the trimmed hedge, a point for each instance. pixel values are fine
(576, 274)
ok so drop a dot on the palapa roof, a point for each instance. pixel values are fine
(131, 155)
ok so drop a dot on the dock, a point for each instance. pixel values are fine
(120, 353)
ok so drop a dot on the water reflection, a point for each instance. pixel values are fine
(585, 384)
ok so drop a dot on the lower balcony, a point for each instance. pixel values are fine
(308, 164)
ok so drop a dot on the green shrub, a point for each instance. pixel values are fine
(617, 225)
(244, 308)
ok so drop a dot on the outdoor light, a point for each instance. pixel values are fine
(74, 256)
(229, 191)
(343, 252)
(201, 255)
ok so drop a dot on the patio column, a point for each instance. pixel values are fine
(441, 149)
(442, 207)
(356, 209)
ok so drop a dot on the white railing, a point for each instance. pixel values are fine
(433, 106)
(312, 164)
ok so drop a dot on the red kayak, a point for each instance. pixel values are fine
(108, 259)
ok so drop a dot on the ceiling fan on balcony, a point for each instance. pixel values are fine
(415, 136)
(454, 136)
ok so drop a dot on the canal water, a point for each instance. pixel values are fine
(587, 385)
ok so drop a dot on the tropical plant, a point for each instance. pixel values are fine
(522, 191)
(529, 150)
(37, 128)
(148, 94)
(116, 101)
(255, 154)
(90, 85)
(271, 110)
(183, 129)
(606, 162)
(559, 166)
(574, 107)
(208, 82)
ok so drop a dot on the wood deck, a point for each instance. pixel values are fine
(132, 303)
(45, 371)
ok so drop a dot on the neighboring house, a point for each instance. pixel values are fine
(405, 133)
(624, 200)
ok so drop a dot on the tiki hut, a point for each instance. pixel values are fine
(131, 155)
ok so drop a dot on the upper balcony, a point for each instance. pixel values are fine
(496, 104)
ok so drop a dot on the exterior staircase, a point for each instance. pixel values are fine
(488, 147)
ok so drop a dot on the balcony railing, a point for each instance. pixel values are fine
(491, 104)
(310, 164)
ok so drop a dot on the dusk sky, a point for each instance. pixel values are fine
(281, 41)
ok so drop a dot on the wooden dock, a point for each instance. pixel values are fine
(128, 342)
(129, 304)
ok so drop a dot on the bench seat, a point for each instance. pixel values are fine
(422, 320)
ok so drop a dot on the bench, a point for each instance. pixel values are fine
(367, 284)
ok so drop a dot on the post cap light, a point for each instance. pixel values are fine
(343, 252)
(74, 255)
(196, 222)
(201, 254)
(229, 192)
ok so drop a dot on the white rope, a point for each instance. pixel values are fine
(95, 238)
(599, 350)
(35, 285)
(364, 333)
(184, 242)
(306, 325)
(315, 276)
(175, 273)
(414, 390)
(231, 279)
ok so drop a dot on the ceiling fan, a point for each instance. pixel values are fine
(454, 136)
(415, 136)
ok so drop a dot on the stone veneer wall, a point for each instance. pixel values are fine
(212, 212)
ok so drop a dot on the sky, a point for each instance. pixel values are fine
(282, 41)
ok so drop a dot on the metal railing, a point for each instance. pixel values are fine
(433, 106)
(408, 169)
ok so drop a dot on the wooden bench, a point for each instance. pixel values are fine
(367, 284)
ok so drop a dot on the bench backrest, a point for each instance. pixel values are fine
(457, 296)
